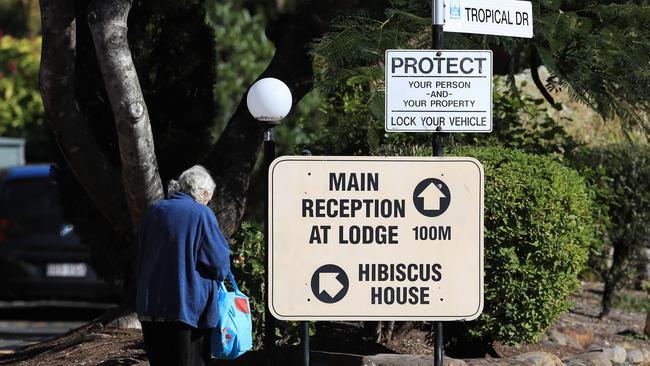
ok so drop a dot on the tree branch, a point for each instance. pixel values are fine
(534, 65)
(108, 25)
(88, 163)
(234, 156)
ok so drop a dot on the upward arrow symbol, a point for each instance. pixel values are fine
(431, 197)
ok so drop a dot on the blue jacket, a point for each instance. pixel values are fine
(181, 258)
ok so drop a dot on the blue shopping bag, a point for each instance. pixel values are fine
(234, 332)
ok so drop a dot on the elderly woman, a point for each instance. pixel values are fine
(181, 257)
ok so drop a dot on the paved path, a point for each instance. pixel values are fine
(27, 322)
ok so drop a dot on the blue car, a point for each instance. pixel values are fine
(40, 255)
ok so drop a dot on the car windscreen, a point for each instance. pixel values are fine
(29, 197)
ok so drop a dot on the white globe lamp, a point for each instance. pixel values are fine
(269, 100)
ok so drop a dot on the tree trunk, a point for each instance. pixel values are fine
(142, 184)
(88, 163)
(615, 275)
(233, 158)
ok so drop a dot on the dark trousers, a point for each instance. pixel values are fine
(176, 344)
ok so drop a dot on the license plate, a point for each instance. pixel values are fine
(66, 270)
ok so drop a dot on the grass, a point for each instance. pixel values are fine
(629, 302)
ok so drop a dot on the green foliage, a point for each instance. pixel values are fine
(538, 228)
(242, 53)
(598, 52)
(620, 179)
(355, 122)
(350, 76)
(21, 108)
(247, 266)
(521, 121)
(247, 253)
(629, 302)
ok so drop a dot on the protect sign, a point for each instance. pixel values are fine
(497, 17)
(375, 238)
(444, 91)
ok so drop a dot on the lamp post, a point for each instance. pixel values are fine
(268, 100)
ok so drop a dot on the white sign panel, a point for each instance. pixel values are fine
(444, 91)
(369, 238)
(497, 17)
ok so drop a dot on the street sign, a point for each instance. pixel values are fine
(444, 91)
(497, 17)
(375, 238)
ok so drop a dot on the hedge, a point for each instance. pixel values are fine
(538, 229)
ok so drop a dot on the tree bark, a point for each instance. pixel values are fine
(233, 158)
(88, 163)
(142, 183)
(534, 73)
(616, 273)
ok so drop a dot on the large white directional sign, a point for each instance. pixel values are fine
(497, 17)
(445, 91)
(367, 238)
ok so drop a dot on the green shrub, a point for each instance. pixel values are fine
(247, 253)
(247, 266)
(538, 227)
(620, 175)
(522, 121)
(21, 108)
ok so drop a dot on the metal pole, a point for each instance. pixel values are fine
(438, 350)
(304, 336)
(304, 326)
(437, 22)
(437, 143)
(269, 320)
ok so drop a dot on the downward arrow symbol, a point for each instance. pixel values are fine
(329, 284)
(431, 197)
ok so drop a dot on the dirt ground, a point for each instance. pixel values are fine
(621, 327)
(97, 346)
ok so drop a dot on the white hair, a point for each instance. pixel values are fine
(195, 181)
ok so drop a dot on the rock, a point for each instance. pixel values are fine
(492, 362)
(616, 354)
(588, 359)
(583, 338)
(558, 338)
(569, 337)
(620, 354)
(404, 360)
(638, 357)
(573, 342)
(129, 321)
(539, 359)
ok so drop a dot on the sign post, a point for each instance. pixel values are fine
(366, 238)
(437, 147)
